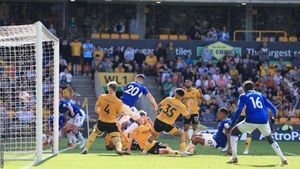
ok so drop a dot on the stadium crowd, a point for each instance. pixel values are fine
(219, 80)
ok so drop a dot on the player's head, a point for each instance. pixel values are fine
(248, 85)
(143, 115)
(222, 113)
(140, 78)
(179, 93)
(188, 83)
(112, 87)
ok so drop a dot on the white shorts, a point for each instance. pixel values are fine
(250, 127)
(209, 141)
(131, 111)
(77, 120)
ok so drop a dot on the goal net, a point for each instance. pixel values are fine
(28, 63)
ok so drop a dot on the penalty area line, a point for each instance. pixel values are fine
(46, 158)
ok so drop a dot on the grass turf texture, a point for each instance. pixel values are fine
(262, 156)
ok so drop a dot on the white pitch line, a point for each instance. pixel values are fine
(292, 154)
(33, 163)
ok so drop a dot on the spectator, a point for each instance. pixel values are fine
(116, 62)
(63, 82)
(118, 51)
(88, 49)
(119, 27)
(189, 60)
(76, 55)
(98, 51)
(67, 74)
(52, 29)
(207, 116)
(167, 86)
(139, 60)
(129, 54)
(150, 62)
(224, 35)
(209, 83)
(264, 53)
(106, 66)
(119, 69)
(159, 51)
(65, 51)
(221, 82)
(277, 78)
(96, 64)
(170, 52)
(206, 54)
(62, 64)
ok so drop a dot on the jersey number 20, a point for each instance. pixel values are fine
(132, 90)
(257, 103)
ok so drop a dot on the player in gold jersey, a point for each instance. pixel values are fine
(109, 107)
(169, 110)
(195, 97)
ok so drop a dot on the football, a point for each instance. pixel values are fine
(24, 97)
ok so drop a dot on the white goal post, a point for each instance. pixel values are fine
(29, 62)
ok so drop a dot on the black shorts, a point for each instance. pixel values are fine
(160, 126)
(135, 145)
(87, 61)
(241, 118)
(156, 147)
(76, 60)
(107, 127)
(194, 119)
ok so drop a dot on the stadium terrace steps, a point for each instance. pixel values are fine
(84, 86)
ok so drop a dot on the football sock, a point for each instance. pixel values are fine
(187, 138)
(182, 146)
(91, 140)
(234, 142)
(74, 139)
(132, 127)
(148, 146)
(248, 142)
(80, 136)
(69, 137)
(190, 147)
(117, 143)
(124, 119)
(277, 150)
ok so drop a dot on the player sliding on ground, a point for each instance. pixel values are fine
(218, 140)
(257, 117)
(109, 107)
(169, 110)
(142, 134)
(132, 92)
(195, 96)
(76, 118)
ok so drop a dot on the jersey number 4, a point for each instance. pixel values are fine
(257, 103)
(106, 109)
(131, 90)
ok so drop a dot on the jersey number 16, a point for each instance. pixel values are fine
(257, 103)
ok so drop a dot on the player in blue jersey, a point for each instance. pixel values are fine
(61, 123)
(76, 118)
(257, 117)
(218, 140)
(132, 92)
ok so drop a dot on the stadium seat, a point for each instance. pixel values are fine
(124, 36)
(105, 36)
(293, 39)
(134, 36)
(283, 39)
(182, 37)
(173, 37)
(115, 36)
(283, 120)
(163, 37)
(95, 35)
(258, 39)
(295, 120)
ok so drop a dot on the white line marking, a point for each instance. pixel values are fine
(47, 157)
(292, 154)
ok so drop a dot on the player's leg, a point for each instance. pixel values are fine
(186, 126)
(135, 115)
(92, 137)
(195, 122)
(78, 122)
(248, 142)
(266, 132)
(117, 141)
(178, 132)
(150, 142)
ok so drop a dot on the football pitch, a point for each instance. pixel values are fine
(261, 156)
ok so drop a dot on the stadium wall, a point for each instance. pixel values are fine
(286, 50)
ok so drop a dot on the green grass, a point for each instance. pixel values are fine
(262, 156)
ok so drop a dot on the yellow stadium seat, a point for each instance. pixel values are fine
(134, 36)
(173, 37)
(283, 120)
(105, 36)
(95, 35)
(258, 39)
(182, 37)
(163, 37)
(283, 39)
(293, 39)
(124, 36)
(295, 120)
(115, 36)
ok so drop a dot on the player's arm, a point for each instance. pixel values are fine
(270, 106)
(130, 140)
(97, 106)
(70, 108)
(238, 112)
(201, 97)
(152, 101)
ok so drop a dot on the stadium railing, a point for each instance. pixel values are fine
(260, 33)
